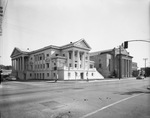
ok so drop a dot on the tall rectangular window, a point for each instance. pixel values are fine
(100, 65)
(75, 65)
(47, 74)
(47, 64)
(69, 65)
(109, 65)
(40, 57)
(31, 67)
(69, 55)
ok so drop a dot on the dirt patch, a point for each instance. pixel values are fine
(52, 104)
(62, 115)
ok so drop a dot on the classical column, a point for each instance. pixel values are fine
(73, 59)
(68, 59)
(128, 68)
(125, 67)
(42, 61)
(78, 58)
(12, 63)
(19, 63)
(122, 67)
(88, 65)
(22, 63)
(16, 64)
(83, 60)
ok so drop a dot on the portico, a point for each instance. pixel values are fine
(126, 67)
(18, 63)
(77, 59)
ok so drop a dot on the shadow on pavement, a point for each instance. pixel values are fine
(132, 92)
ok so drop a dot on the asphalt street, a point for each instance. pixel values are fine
(125, 98)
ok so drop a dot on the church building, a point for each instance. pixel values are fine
(113, 62)
(67, 62)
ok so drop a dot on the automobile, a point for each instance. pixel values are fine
(11, 78)
(140, 77)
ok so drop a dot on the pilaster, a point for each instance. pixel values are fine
(68, 59)
(73, 59)
(88, 65)
(78, 57)
(22, 63)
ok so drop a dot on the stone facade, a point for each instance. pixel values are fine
(107, 62)
(66, 62)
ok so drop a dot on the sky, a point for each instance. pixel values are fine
(104, 24)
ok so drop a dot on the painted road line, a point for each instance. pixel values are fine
(89, 114)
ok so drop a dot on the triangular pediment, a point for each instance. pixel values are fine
(16, 52)
(82, 44)
(123, 51)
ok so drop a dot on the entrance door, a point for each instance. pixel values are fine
(43, 75)
(82, 75)
(24, 76)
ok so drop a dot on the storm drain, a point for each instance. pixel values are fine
(52, 105)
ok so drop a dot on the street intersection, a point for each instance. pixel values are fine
(76, 99)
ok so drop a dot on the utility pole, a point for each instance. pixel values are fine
(145, 59)
(120, 62)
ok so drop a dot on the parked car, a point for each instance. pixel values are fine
(11, 78)
(140, 77)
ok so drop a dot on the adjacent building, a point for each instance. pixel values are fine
(66, 62)
(135, 71)
(113, 62)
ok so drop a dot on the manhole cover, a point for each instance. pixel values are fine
(52, 104)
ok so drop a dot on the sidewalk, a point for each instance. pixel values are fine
(1, 85)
